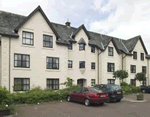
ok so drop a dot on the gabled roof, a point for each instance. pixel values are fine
(78, 29)
(45, 17)
(131, 43)
(11, 21)
(81, 41)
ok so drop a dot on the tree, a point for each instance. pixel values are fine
(140, 76)
(68, 83)
(121, 74)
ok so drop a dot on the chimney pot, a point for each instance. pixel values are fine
(68, 23)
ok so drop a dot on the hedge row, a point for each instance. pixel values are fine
(33, 96)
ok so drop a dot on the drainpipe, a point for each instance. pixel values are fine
(98, 63)
(122, 60)
(148, 71)
(9, 59)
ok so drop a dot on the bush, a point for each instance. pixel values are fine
(128, 89)
(5, 96)
(124, 84)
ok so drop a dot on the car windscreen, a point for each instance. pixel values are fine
(115, 87)
(96, 90)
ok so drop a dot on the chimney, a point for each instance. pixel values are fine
(68, 23)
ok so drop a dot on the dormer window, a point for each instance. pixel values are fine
(134, 55)
(92, 49)
(70, 46)
(142, 56)
(110, 51)
(81, 47)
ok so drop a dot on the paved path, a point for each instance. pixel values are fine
(124, 108)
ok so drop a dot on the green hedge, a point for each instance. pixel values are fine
(129, 89)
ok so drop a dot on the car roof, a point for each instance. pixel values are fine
(109, 84)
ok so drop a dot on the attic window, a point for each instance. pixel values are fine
(110, 51)
(70, 46)
(134, 55)
(142, 56)
(81, 47)
(27, 38)
(92, 49)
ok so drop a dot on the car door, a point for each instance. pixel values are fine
(75, 95)
(82, 94)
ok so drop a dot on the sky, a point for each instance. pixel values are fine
(119, 18)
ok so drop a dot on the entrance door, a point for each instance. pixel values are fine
(80, 82)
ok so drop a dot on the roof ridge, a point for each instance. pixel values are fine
(63, 25)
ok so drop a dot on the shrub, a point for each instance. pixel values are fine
(124, 84)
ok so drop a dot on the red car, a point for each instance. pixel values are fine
(88, 95)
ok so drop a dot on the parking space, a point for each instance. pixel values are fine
(71, 109)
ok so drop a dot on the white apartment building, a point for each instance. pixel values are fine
(37, 52)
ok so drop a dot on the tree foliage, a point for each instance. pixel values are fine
(121, 74)
(68, 83)
(140, 76)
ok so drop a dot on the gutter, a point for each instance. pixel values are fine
(9, 59)
(98, 63)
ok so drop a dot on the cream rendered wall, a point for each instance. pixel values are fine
(75, 55)
(139, 63)
(37, 71)
(5, 62)
(104, 59)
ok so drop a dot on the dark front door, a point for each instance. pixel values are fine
(80, 82)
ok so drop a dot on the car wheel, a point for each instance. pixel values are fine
(87, 102)
(119, 100)
(68, 98)
(143, 91)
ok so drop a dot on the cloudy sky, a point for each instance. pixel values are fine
(119, 18)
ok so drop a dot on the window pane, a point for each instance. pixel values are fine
(23, 34)
(47, 38)
(24, 40)
(24, 57)
(23, 64)
(18, 57)
(27, 41)
(27, 58)
(19, 63)
(27, 64)
(28, 35)
(47, 44)
(31, 35)
(24, 87)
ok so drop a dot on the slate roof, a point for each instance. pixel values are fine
(81, 41)
(10, 21)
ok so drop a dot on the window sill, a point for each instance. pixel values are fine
(51, 70)
(70, 50)
(70, 68)
(30, 46)
(82, 68)
(93, 69)
(24, 69)
(45, 48)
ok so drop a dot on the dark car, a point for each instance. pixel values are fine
(145, 89)
(88, 95)
(115, 92)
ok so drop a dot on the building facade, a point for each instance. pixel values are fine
(36, 52)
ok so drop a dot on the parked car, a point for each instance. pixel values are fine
(115, 92)
(145, 89)
(88, 95)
